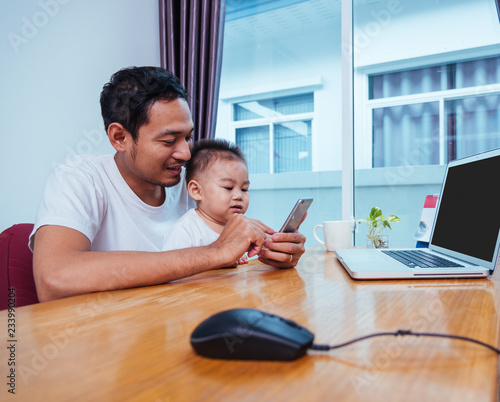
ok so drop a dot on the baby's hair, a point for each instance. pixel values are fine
(205, 152)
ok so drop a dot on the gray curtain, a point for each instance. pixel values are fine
(191, 38)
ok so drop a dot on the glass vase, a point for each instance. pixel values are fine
(377, 241)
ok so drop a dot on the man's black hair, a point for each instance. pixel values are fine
(128, 96)
(207, 151)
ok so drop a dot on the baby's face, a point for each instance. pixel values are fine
(224, 190)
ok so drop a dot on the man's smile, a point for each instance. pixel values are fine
(175, 170)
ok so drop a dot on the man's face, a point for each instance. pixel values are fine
(163, 145)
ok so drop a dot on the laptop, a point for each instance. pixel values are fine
(465, 234)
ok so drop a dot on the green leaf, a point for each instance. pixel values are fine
(376, 221)
(394, 218)
(375, 213)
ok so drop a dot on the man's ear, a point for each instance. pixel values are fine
(194, 189)
(118, 136)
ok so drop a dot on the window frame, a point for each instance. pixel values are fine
(271, 121)
(364, 106)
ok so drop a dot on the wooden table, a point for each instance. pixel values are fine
(133, 345)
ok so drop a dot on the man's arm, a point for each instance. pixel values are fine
(64, 266)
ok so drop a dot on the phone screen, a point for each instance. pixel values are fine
(296, 215)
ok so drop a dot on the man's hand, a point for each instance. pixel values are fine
(283, 250)
(240, 235)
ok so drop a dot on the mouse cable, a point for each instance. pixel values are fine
(402, 333)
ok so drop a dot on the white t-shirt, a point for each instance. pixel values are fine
(89, 194)
(189, 231)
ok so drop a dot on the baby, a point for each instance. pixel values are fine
(217, 179)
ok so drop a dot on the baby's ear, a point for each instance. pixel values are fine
(194, 190)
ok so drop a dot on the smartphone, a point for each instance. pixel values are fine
(295, 218)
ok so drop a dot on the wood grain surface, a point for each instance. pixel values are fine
(133, 344)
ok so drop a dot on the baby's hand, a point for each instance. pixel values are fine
(243, 260)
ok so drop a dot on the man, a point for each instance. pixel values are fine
(102, 219)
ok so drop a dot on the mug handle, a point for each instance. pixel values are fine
(315, 236)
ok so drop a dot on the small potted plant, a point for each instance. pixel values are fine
(376, 224)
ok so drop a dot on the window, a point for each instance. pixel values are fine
(431, 115)
(426, 90)
(275, 134)
(280, 101)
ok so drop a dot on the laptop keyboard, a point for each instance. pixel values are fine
(420, 259)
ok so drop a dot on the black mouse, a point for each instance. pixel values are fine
(249, 334)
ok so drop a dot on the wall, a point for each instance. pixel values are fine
(55, 57)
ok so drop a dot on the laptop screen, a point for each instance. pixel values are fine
(468, 219)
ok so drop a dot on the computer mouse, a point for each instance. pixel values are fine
(249, 334)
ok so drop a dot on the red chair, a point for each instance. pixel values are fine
(16, 266)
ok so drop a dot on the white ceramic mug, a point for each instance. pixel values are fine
(337, 234)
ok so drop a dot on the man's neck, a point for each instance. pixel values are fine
(149, 193)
